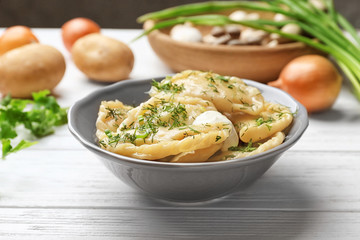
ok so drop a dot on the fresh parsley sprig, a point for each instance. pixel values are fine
(39, 116)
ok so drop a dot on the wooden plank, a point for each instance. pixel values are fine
(120, 223)
(57, 189)
(299, 180)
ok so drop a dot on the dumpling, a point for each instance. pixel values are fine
(250, 149)
(199, 155)
(274, 118)
(228, 94)
(162, 126)
(216, 117)
(202, 155)
(166, 110)
(172, 142)
(191, 117)
(111, 114)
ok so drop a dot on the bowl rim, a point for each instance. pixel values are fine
(227, 48)
(301, 115)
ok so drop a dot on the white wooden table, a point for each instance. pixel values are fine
(57, 189)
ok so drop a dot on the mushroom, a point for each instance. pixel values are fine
(233, 31)
(217, 40)
(272, 43)
(217, 31)
(222, 35)
(290, 28)
(238, 15)
(185, 33)
(252, 16)
(280, 17)
(235, 42)
(252, 36)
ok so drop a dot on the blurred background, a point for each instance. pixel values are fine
(108, 13)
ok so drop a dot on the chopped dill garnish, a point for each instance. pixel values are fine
(103, 143)
(214, 87)
(229, 156)
(229, 100)
(248, 148)
(114, 113)
(280, 114)
(246, 104)
(194, 130)
(167, 86)
(259, 121)
(128, 137)
(211, 79)
(295, 113)
(222, 78)
(161, 114)
(178, 112)
(115, 139)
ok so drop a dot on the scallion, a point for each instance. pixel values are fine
(326, 30)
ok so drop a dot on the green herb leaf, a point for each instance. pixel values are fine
(259, 121)
(248, 148)
(39, 116)
(7, 148)
(222, 78)
(7, 130)
(167, 86)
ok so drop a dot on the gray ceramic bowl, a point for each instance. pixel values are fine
(180, 182)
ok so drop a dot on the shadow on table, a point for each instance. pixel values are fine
(333, 115)
(258, 212)
(330, 115)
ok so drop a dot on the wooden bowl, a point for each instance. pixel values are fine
(259, 63)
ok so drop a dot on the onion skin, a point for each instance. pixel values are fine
(16, 36)
(76, 28)
(312, 80)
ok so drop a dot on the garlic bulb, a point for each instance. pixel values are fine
(252, 36)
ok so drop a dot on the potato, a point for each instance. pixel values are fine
(30, 68)
(102, 58)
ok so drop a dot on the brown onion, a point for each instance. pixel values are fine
(312, 80)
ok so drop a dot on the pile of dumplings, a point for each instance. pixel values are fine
(194, 116)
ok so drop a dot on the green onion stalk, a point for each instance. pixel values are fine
(325, 29)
